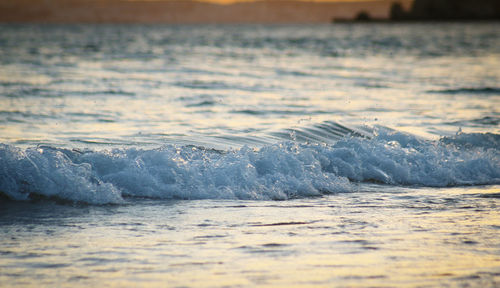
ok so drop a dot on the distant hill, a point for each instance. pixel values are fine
(187, 11)
(436, 10)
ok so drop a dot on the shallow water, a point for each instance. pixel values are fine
(375, 236)
(336, 155)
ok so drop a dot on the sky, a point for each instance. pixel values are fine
(233, 1)
(161, 11)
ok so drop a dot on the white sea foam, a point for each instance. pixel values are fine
(280, 171)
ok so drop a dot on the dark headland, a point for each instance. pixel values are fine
(447, 10)
(436, 10)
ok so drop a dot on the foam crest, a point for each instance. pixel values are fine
(401, 159)
(50, 172)
(273, 172)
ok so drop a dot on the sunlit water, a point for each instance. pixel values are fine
(207, 156)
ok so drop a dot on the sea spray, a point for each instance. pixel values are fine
(273, 172)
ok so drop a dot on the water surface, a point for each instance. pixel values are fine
(206, 156)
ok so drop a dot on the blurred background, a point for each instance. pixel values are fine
(244, 11)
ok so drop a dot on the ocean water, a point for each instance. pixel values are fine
(346, 155)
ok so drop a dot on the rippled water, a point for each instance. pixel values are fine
(335, 155)
(151, 85)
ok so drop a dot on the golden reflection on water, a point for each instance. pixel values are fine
(440, 241)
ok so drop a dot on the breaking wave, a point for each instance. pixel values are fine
(284, 170)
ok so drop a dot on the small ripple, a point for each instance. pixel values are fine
(204, 237)
(278, 112)
(490, 195)
(281, 224)
(202, 104)
(469, 90)
(484, 121)
(267, 248)
(49, 265)
(273, 245)
(78, 278)
(196, 264)
(198, 84)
